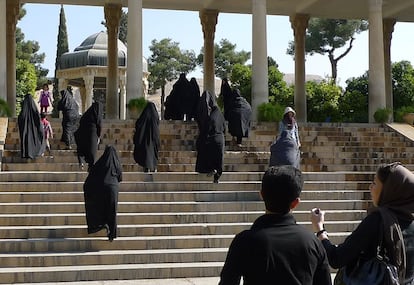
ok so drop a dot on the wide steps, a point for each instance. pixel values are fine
(174, 222)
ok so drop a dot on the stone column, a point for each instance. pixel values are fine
(388, 29)
(134, 78)
(87, 99)
(122, 94)
(376, 79)
(299, 23)
(13, 8)
(208, 20)
(112, 17)
(260, 78)
(3, 51)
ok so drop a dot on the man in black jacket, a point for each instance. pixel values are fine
(276, 250)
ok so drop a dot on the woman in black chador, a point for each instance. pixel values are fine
(30, 129)
(227, 96)
(101, 193)
(147, 138)
(239, 116)
(70, 112)
(88, 134)
(174, 102)
(210, 141)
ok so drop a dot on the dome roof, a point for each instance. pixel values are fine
(92, 51)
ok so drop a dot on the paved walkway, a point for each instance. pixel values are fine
(178, 281)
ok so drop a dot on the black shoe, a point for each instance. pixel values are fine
(211, 173)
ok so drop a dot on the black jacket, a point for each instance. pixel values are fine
(276, 250)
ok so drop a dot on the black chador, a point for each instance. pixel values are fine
(88, 134)
(210, 141)
(239, 116)
(147, 138)
(30, 129)
(101, 193)
(70, 114)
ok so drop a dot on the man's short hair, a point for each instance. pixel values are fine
(280, 186)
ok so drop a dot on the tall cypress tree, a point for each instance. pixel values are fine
(62, 47)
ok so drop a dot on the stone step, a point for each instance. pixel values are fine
(56, 219)
(339, 220)
(115, 257)
(87, 244)
(203, 184)
(56, 176)
(108, 272)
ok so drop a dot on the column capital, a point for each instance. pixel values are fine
(388, 28)
(112, 15)
(208, 20)
(375, 5)
(299, 23)
(13, 10)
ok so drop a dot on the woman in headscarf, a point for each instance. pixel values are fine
(70, 113)
(174, 103)
(239, 116)
(88, 134)
(289, 123)
(101, 193)
(210, 140)
(147, 138)
(227, 96)
(285, 151)
(392, 193)
(30, 129)
(193, 98)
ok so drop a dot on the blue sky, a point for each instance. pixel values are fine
(41, 24)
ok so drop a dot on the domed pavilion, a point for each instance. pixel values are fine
(86, 68)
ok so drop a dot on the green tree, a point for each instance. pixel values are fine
(225, 58)
(123, 27)
(241, 78)
(325, 36)
(353, 104)
(279, 92)
(62, 47)
(403, 84)
(166, 63)
(29, 71)
(322, 101)
(26, 84)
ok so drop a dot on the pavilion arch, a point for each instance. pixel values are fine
(86, 68)
(381, 14)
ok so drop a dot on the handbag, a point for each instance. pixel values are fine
(375, 271)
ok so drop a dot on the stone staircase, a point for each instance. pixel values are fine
(173, 223)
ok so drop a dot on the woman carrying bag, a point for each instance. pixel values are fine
(392, 193)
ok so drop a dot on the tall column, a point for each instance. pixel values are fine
(88, 80)
(208, 20)
(122, 94)
(13, 8)
(134, 78)
(112, 17)
(260, 79)
(388, 28)
(376, 79)
(299, 23)
(3, 51)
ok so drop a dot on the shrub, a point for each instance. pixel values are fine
(382, 115)
(268, 112)
(399, 114)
